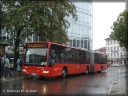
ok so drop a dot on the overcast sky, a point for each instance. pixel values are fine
(104, 14)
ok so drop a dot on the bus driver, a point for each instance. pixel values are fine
(51, 61)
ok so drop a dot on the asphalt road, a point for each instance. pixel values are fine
(97, 83)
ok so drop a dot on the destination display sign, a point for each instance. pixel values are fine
(35, 45)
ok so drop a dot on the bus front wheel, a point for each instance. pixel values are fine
(64, 72)
(41, 77)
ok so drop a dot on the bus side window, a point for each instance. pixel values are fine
(84, 56)
(80, 56)
(62, 58)
(71, 56)
(67, 54)
(77, 56)
(99, 58)
(96, 60)
(57, 58)
(87, 57)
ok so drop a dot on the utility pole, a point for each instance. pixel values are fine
(0, 19)
(0, 27)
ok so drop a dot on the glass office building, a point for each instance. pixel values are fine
(80, 32)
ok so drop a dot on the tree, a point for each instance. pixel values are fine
(120, 29)
(46, 19)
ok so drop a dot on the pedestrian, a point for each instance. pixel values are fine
(6, 68)
(19, 66)
(1, 65)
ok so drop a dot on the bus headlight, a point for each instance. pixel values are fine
(45, 72)
(24, 70)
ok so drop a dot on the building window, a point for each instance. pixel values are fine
(125, 53)
(111, 48)
(117, 47)
(108, 48)
(120, 54)
(74, 43)
(70, 42)
(108, 54)
(114, 42)
(114, 48)
(114, 54)
(124, 49)
(117, 54)
(111, 41)
(121, 48)
(108, 42)
(111, 54)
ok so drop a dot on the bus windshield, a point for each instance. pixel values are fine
(35, 56)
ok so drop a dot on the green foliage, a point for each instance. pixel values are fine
(119, 29)
(44, 18)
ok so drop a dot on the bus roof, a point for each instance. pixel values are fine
(58, 44)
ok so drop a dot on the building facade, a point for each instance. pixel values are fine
(80, 32)
(101, 50)
(114, 52)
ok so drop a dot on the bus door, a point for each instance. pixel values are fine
(82, 60)
(92, 61)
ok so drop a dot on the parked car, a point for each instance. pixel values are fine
(115, 65)
(109, 64)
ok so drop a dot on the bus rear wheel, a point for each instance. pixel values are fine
(64, 72)
(86, 71)
(101, 70)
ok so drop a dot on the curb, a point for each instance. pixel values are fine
(111, 85)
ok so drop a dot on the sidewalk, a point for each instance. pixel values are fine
(15, 75)
(119, 86)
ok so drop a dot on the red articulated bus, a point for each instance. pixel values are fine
(48, 59)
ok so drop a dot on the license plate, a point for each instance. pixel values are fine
(33, 74)
(27, 73)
